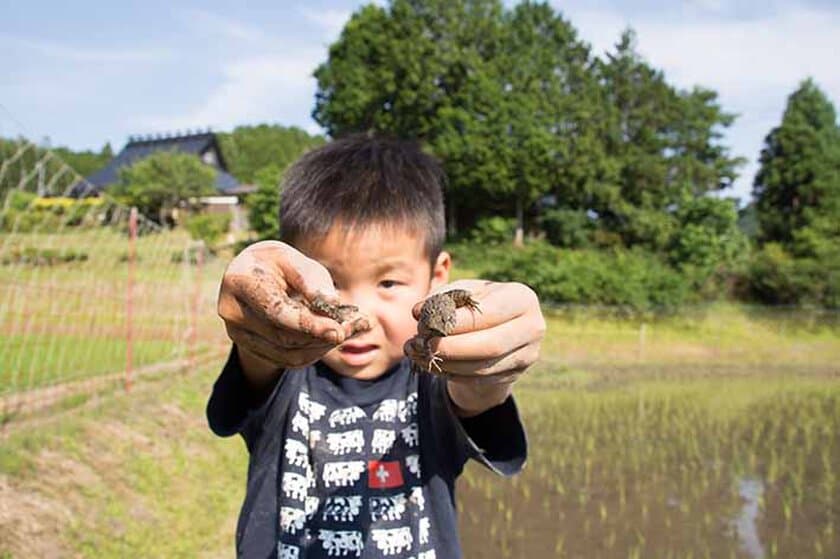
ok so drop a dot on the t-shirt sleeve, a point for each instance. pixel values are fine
(495, 438)
(233, 407)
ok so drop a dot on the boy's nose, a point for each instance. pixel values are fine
(363, 302)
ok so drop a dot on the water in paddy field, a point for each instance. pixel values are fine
(735, 467)
(746, 523)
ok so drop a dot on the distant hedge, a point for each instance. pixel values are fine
(632, 280)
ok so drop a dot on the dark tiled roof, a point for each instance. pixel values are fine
(140, 148)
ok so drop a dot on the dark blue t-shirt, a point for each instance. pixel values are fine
(341, 467)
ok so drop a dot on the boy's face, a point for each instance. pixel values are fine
(385, 272)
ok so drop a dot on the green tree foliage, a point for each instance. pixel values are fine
(250, 148)
(516, 107)
(663, 145)
(797, 188)
(425, 69)
(264, 204)
(158, 183)
(33, 168)
(208, 227)
(797, 204)
(86, 162)
(545, 81)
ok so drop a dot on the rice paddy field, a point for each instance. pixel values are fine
(710, 437)
(712, 433)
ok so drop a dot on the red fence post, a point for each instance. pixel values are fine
(129, 297)
(199, 266)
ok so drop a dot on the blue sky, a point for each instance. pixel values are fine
(84, 73)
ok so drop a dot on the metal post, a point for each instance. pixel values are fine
(129, 298)
(642, 329)
(199, 266)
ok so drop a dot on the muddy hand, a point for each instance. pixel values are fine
(280, 307)
(488, 333)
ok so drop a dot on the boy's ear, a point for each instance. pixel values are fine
(440, 271)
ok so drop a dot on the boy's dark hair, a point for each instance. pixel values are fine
(363, 180)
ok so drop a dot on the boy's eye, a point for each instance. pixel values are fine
(388, 284)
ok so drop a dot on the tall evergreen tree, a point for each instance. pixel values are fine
(797, 187)
(664, 144)
(544, 77)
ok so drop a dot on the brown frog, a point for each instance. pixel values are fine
(339, 313)
(437, 318)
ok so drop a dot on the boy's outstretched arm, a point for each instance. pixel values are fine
(486, 351)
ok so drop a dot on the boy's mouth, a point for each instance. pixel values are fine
(356, 348)
(357, 355)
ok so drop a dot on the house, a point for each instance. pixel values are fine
(203, 145)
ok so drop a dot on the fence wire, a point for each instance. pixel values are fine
(92, 294)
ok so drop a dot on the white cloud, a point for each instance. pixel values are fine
(223, 26)
(754, 64)
(71, 53)
(330, 21)
(264, 88)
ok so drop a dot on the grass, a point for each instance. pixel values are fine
(70, 321)
(139, 475)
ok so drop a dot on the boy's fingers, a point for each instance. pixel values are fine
(515, 361)
(268, 303)
(309, 278)
(484, 344)
(501, 378)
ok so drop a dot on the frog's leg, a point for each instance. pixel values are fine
(463, 298)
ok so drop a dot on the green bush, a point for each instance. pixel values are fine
(27, 213)
(208, 227)
(493, 230)
(20, 200)
(264, 204)
(29, 221)
(567, 228)
(776, 277)
(33, 256)
(631, 280)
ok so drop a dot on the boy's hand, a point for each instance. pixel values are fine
(487, 350)
(265, 299)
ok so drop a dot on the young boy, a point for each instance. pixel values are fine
(353, 453)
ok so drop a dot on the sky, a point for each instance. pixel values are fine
(86, 73)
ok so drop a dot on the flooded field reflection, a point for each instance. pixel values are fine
(676, 461)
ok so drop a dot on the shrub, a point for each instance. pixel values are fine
(20, 200)
(27, 213)
(776, 277)
(631, 280)
(33, 256)
(208, 227)
(567, 228)
(264, 204)
(493, 230)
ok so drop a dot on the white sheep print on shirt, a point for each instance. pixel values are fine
(351, 484)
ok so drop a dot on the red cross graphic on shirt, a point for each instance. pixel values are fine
(384, 475)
